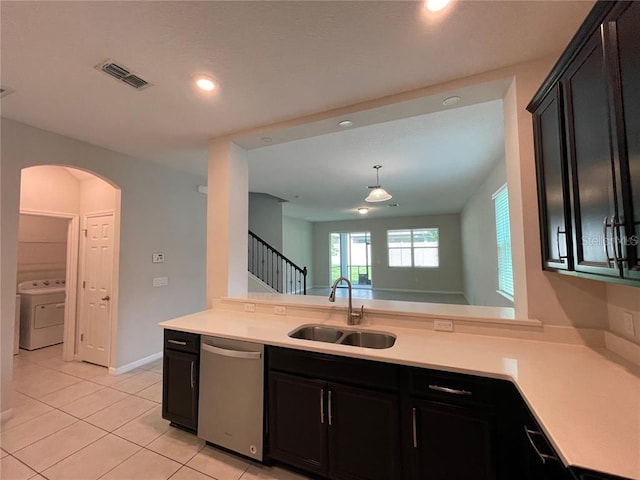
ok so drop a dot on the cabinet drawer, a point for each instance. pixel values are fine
(335, 368)
(182, 341)
(452, 387)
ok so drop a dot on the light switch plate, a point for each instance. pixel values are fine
(280, 310)
(160, 281)
(443, 325)
(157, 258)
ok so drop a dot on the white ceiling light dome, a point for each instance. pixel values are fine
(378, 194)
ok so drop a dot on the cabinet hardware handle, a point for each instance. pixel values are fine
(192, 379)
(558, 233)
(322, 405)
(453, 391)
(605, 240)
(415, 434)
(330, 414)
(617, 244)
(225, 352)
(177, 342)
(542, 456)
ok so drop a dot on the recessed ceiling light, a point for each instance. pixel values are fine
(346, 124)
(450, 101)
(436, 5)
(205, 83)
(363, 210)
(266, 139)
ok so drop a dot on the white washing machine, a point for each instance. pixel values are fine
(41, 313)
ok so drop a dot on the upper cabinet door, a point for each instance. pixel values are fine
(591, 163)
(623, 58)
(553, 185)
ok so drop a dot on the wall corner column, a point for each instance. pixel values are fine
(227, 220)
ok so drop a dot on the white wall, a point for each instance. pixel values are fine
(445, 278)
(49, 189)
(479, 248)
(297, 244)
(96, 196)
(161, 212)
(624, 299)
(42, 247)
(265, 218)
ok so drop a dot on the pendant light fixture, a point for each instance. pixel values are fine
(378, 194)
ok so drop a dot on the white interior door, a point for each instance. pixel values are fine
(96, 289)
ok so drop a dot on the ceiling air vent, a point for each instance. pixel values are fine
(122, 73)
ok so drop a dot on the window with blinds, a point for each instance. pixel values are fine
(413, 247)
(503, 240)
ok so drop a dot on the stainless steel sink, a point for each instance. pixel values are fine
(356, 338)
(317, 333)
(369, 339)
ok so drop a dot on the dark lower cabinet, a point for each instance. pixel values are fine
(338, 431)
(180, 378)
(346, 419)
(364, 440)
(297, 426)
(451, 442)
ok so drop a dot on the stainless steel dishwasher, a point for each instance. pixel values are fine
(231, 408)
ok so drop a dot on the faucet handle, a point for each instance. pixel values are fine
(358, 315)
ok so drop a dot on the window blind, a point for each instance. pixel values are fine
(503, 240)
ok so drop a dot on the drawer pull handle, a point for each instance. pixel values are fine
(542, 456)
(452, 391)
(177, 342)
(415, 433)
(330, 415)
(558, 233)
(322, 405)
(193, 382)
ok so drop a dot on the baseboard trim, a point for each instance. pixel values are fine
(133, 365)
(6, 415)
(446, 292)
(623, 347)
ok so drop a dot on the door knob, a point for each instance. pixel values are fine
(107, 298)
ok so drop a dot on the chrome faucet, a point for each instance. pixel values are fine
(353, 318)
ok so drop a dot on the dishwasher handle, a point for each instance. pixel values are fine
(231, 353)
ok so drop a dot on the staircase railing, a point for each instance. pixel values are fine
(274, 269)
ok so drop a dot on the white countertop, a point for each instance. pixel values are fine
(586, 400)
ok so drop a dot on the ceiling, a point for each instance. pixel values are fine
(431, 164)
(274, 61)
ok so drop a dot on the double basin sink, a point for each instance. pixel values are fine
(357, 338)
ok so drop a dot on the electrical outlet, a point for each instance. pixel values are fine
(249, 307)
(160, 281)
(157, 258)
(629, 327)
(280, 310)
(443, 325)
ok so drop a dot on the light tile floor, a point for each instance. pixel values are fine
(72, 420)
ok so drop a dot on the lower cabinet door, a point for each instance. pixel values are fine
(364, 434)
(451, 442)
(298, 422)
(180, 388)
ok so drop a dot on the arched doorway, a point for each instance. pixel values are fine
(84, 261)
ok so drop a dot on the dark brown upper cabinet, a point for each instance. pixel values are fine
(553, 183)
(586, 119)
(622, 56)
